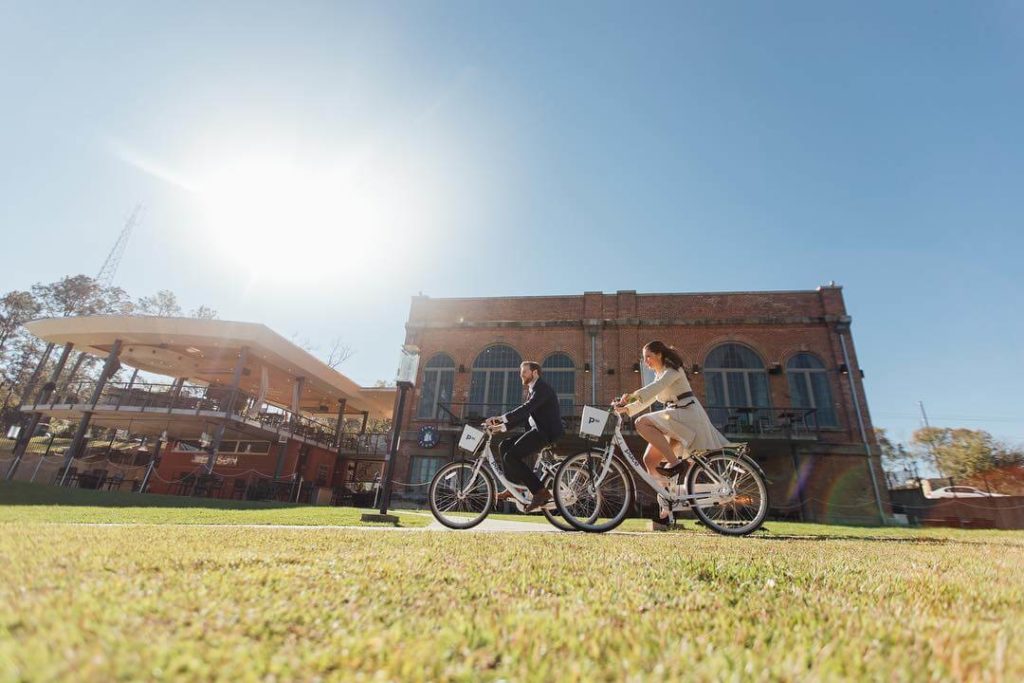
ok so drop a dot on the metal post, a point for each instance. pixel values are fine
(282, 449)
(392, 454)
(152, 464)
(40, 463)
(796, 479)
(342, 402)
(218, 434)
(21, 445)
(76, 441)
(860, 423)
(82, 356)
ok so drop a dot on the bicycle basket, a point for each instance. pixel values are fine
(592, 422)
(470, 439)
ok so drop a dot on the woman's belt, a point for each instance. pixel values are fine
(674, 403)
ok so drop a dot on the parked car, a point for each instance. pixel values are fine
(963, 492)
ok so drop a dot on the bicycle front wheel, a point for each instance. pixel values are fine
(587, 500)
(460, 499)
(740, 501)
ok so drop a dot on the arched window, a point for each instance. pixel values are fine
(735, 378)
(809, 387)
(438, 378)
(495, 386)
(560, 372)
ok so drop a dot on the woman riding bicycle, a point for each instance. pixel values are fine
(682, 426)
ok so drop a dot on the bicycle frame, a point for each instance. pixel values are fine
(710, 497)
(485, 456)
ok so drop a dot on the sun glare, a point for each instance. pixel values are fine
(284, 221)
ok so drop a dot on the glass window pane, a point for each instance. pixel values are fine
(715, 392)
(428, 395)
(736, 389)
(441, 360)
(759, 389)
(803, 361)
(799, 390)
(732, 356)
(823, 399)
(514, 395)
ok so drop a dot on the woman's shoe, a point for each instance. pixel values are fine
(672, 470)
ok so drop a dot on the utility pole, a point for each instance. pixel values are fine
(931, 447)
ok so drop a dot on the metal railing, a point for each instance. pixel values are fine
(748, 421)
(769, 422)
(365, 444)
(150, 397)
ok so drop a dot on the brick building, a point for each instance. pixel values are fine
(776, 369)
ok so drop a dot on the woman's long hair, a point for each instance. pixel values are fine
(669, 356)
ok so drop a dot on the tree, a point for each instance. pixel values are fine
(965, 453)
(338, 354)
(80, 295)
(895, 456)
(16, 309)
(163, 304)
(203, 313)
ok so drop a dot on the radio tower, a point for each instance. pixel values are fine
(106, 275)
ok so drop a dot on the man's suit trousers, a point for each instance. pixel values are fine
(515, 457)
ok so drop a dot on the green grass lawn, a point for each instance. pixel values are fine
(176, 601)
(24, 502)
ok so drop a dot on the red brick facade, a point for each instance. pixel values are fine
(607, 331)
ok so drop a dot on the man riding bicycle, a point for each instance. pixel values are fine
(544, 417)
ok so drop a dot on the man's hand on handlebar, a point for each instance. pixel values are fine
(494, 425)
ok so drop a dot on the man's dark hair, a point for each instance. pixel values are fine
(533, 366)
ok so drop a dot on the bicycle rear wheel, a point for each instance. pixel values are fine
(458, 498)
(741, 501)
(554, 517)
(584, 502)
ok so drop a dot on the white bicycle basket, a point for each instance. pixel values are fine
(592, 422)
(470, 439)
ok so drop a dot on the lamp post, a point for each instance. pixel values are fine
(406, 379)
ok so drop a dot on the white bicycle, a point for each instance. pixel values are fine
(724, 487)
(463, 493)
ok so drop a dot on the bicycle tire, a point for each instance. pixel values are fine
(444, 500)
(556, 520)
(747, 510)
(582, 507)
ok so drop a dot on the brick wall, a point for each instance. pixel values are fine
(608, 331)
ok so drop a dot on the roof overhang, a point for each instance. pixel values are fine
(208, 350)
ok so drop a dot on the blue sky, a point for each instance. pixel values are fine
(422, 147)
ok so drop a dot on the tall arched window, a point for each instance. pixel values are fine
(495, 386)
(438, 378)
(809, 387)
(560, 372)
(735, 378)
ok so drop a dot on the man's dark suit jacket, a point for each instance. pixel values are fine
(542, 405)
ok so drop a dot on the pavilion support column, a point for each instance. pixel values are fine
(152, 462)
(366, 417)
(218, 434)
(109, 368)
(282, 451)
(340, 424)
(41, 397)
(297, 388)
(176, 387)
(71, 376)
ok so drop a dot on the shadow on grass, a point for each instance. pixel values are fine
(24, 493)
(910, 540)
